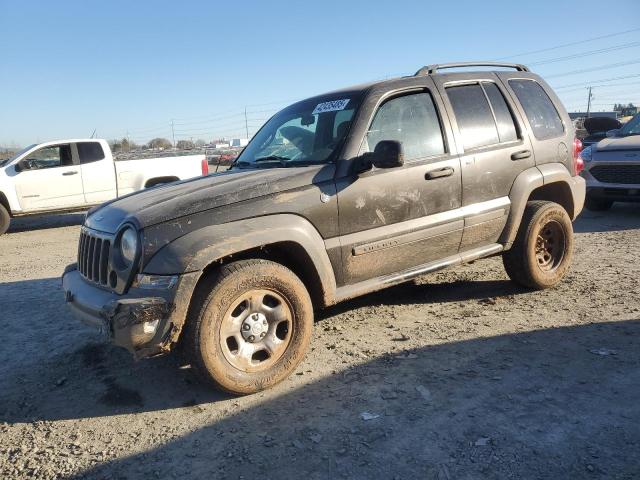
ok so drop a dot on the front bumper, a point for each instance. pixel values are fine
(142, 321)
(622, 192)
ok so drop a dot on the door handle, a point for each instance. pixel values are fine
(443, 172)
(66, 174)
(521, 155)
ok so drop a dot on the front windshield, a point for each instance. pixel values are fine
(306, 133)
(632, 127)
(16, 155)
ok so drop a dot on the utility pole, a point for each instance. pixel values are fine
(589, 103)
(173, 133)
(246, 125)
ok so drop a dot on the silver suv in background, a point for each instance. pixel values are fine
(612, 167)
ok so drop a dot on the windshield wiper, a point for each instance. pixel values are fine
(272, 158)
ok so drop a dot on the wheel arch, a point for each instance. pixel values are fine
(152, 182)
(551, 182)
(4, 201)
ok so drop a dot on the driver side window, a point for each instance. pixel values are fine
(413, 121)
(50, 157)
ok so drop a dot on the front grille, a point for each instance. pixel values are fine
(623, 174)
(93, 257)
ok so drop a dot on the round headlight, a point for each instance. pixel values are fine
(129, 245)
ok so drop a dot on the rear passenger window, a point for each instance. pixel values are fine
(411, 120)
(504, 119)
(542, 114)
(90, 152)
(474, 117)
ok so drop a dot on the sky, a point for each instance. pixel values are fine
(122, 68)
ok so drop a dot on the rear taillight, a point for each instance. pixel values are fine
(578, 162)
(205, 167)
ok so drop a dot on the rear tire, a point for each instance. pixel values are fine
(597, 204)
(250, 326)
(5, 220)
(543, 249)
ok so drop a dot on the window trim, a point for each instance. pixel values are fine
(517, 99)
(491, 146)
(77, 152)
(405, 92)
(55, 145)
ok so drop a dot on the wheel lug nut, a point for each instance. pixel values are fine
(245, 327)
(251, 338)
(264, 322)
(262, 335)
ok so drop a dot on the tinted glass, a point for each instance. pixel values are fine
(308, 132)
(49, 157)
(632, 127)
(542, 114)
(473, 115)
(411, 120)
(504, 119)
(90, 152)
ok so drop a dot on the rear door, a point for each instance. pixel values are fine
(98, 173)
(549, 124)
(52, 180)
(398, 218)
(495, 149)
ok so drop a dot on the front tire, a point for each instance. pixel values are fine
(597, 204)
(5, 220)
(543, 248)
(250, 327)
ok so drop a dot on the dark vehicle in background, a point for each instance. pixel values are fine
(597, 128)
(612, 167)
(336, 196)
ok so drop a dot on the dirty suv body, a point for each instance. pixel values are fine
(335, 196)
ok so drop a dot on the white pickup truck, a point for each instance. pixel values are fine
(68, 175)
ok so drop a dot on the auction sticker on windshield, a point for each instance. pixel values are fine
(331, 106)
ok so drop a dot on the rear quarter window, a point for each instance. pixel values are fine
(90, 152)
(540, 110)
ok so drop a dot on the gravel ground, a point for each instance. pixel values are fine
(457, 375)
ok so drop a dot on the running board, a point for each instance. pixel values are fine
(378, 283)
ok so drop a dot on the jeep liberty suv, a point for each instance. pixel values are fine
(335, 196)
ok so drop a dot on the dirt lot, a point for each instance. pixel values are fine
(457, 375)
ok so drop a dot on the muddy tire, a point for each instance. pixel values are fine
(597, 204)
(543, 249)
(5, 220)
(250, 326)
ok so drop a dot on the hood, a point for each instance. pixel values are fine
(168, 202)
(600, 124)
(613, 144)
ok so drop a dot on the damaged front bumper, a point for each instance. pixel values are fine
(144, 321)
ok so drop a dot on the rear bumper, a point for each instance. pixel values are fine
(141, 321)
(578, 192)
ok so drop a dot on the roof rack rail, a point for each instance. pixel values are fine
(431, 69)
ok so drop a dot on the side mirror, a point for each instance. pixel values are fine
(613, 133)
(388, 154)
(22, 165)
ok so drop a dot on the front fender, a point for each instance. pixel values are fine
(196, 250)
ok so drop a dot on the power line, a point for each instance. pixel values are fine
(584, 54)
(580, 42)
(603, 80)
(594, 69)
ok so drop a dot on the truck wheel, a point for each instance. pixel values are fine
(250, 327)
(543, 249)
(597, 204)
(5, 220)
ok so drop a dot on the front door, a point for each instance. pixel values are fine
(50, 180)
(394, 219)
